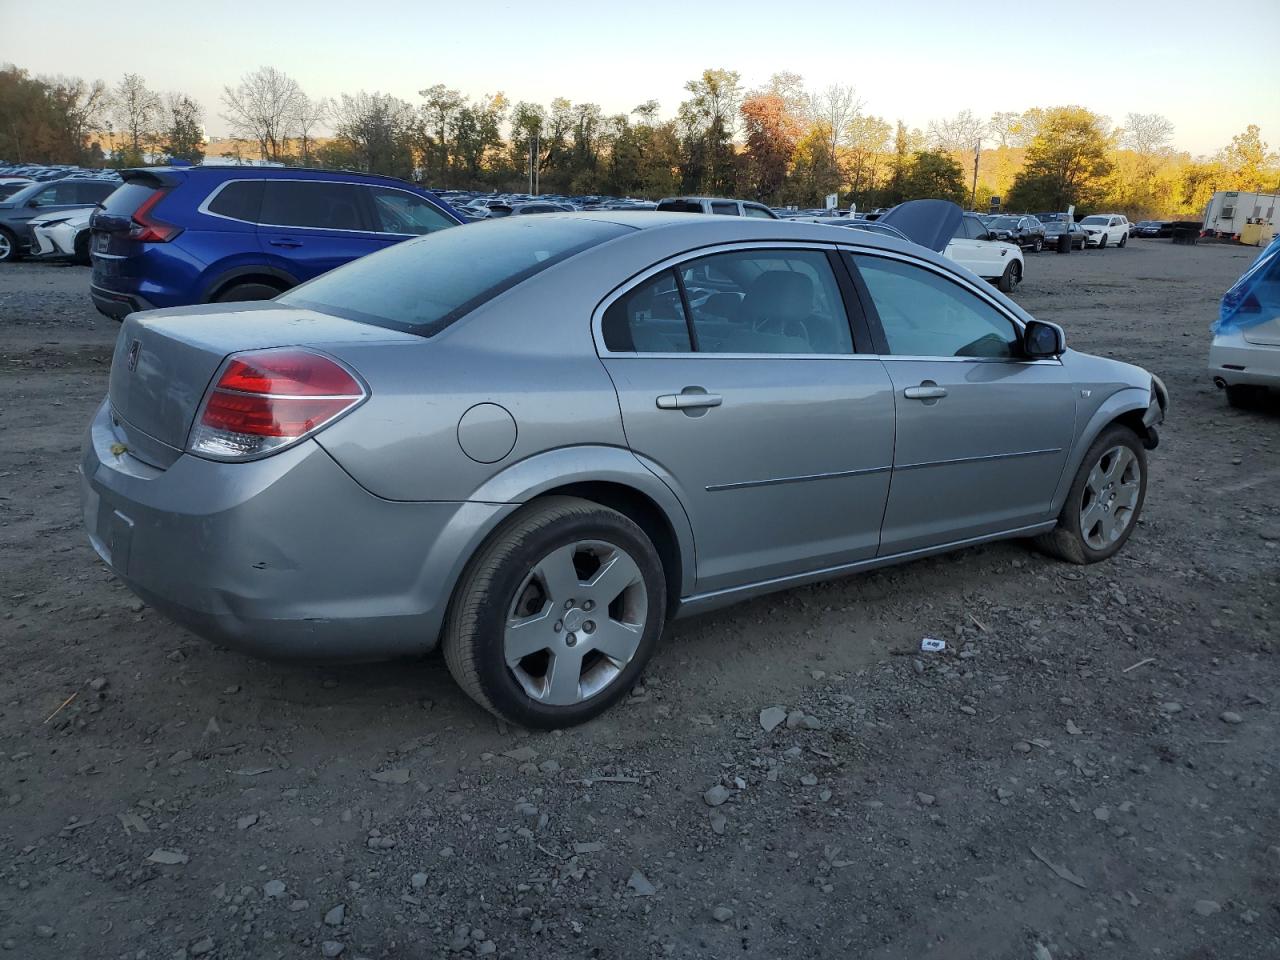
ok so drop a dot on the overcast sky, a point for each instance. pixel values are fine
(1211, 68)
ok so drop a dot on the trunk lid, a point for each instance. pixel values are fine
(165, 359)
(1264, 334)
(114, 251)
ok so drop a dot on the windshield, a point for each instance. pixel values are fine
(422, 286)
(9, 189)
(1101, 220)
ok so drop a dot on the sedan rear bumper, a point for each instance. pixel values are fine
(1234, 361)
(285, 557)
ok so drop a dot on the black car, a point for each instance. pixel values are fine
(1025, 231)
(1053, 230)
(1152, 228)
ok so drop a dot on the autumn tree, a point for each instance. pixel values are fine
(934, 174)
(1245, 158)
(770, 133)
(378, 130)
(439, 115)
(864, 155)
(476, 133)
(1068, 162)
(264, 108)
(136, 111)
(707, 121)
(183, 134)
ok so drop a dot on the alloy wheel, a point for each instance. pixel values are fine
(1110, 496)
(6, 246)
(575, 622)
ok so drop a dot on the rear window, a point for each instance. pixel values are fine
(127, 198)
(422, 286)
(680, 206)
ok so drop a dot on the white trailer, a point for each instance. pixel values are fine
(1230, 211)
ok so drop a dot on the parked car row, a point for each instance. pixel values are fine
(39, 198)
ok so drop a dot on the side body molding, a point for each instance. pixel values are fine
(565, 466)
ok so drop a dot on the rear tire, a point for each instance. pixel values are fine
(1123, 241)
(1104, 502)
(8, 247)
(532, 594)
(1011, 277)
(239, 292)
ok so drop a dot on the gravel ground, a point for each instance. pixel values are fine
(1089, 770)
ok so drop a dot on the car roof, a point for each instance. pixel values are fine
(237, 172)
(688, 232)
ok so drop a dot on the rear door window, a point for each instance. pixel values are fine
(724, 207)
(317, 204)
(238, 200)
(648, 319)
(754, 211)
(93, 192)
(774, 301)
(56, 194)
(398, 211)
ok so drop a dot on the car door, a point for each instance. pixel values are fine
(307, 227)
(740, 384)
(964, 247)
(398, 215)
(982, 432)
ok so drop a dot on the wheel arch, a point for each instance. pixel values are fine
(249, 273)
(616, 478)
(1127, 407)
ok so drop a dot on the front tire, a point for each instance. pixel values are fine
(555, 618)
(1038, 245)
(1123, 241)
(1104, 502)
(81, 255)
(8, 247)
(1011, 277)
(1102, 244)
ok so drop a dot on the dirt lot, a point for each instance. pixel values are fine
(1090, 770)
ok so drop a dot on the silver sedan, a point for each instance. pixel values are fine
(537, 440)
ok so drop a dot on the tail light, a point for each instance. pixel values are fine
(264, 400)
(149, 229)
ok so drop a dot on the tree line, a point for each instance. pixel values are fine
(782, 143)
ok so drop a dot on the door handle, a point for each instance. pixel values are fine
(285, 243)
(689, 401)
(925, 392)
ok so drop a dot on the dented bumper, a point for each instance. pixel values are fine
(282, 557)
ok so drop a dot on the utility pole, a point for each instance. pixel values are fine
(973, 199)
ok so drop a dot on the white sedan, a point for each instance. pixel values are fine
(1244, 358)
(1105, 229)
(62, 235)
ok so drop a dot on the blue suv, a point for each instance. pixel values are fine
(172, 236)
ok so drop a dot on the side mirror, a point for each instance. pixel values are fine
(33, 203)
(1043, 341)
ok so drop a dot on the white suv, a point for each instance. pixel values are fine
(1102, 229)
(972, 246)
